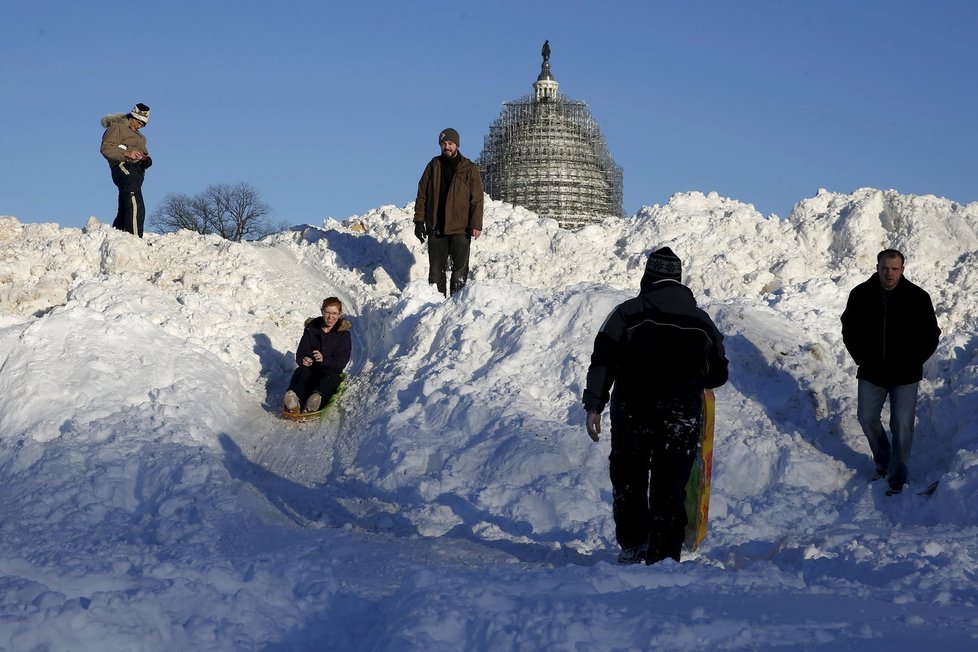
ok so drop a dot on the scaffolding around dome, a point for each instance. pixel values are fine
(546, 153)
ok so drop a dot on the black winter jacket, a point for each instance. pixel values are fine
(335, 345)
(889, 333)
(659, 343)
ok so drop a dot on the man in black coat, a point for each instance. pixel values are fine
(890, 330)
(659, 351)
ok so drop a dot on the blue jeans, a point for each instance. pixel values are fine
(903, 404)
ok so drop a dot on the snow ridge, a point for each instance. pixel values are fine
(155, 501)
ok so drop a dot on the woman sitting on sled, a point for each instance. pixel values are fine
(323, 352)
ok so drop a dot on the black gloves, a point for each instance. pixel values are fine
(420, 231)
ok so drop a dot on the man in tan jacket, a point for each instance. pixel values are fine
(448, 212)
(125, 150)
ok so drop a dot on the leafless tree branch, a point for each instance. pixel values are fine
(232, 212)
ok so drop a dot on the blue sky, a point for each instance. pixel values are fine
(331, 109)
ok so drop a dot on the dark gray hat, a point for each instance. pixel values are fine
(450, 135)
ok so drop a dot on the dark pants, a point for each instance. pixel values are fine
(128, 178)
(653, 449)
(441, 248)
(306, 381)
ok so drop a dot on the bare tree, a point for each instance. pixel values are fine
(233, 212)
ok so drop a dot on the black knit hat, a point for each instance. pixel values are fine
(450, 135)
(663, 264)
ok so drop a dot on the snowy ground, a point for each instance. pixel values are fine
(153, 500)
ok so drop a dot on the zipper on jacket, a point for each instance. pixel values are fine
(883, 300)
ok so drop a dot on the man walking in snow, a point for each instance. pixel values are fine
(125, 150)
(448, 212)
(890, 330)
(659, 351)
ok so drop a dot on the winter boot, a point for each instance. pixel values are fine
(312, 403)
(666, 545)
(632, 555)
(896, 486)
(291, 402)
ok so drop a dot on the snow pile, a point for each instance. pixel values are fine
(153, 499)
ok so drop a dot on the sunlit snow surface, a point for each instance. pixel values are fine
(153, 500)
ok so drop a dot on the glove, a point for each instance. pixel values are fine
(593, 425)
(420, 231)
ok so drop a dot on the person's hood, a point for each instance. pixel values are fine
(652, 282)
(113, 118)
(319, 322)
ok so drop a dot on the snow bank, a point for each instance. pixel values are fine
(155, 501)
